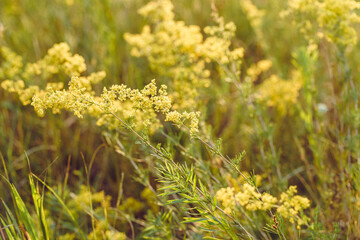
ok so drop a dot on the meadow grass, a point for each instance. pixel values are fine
(250, 130)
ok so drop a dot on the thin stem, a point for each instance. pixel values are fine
(163, 156)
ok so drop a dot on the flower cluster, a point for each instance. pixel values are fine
(139, 108)
(256, 69)
(279, 94)
(99, 203)
(11, 65)
(290, 206)
(331, 19)
(57, 60)
(253, 14)
(179, 52)
(247, 197)
(216, 47)
(158, 10)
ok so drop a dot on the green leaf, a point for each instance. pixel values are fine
(194, 184)
(214, 203)
(79, 231)
(7, 229)
(39, 203)
(207, 229)
(168, 193)
(168, 187)
(24, 214)
(175, 201)
(11, 219)
(192, 220)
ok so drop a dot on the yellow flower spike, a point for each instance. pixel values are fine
(13, 86)
(139, 106)
(158, 10)
(180, 52)
(290, 206)
(334, 19)
(279, 93)
(12, 65)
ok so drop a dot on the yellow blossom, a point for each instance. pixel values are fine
(330, 18)
(158, 10)
(279, 93)
(253, 13)
(180, 52)
(290, 205)
(12, 64)
(139, 108)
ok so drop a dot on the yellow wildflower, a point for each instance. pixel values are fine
(290, 206)
(12, 64)
(179, 52)
(332, 19)
(279, 93)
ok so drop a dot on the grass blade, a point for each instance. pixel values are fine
(39, 201)
(79, 231)
(24, 214)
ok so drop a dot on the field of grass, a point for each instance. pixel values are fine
(192, 119)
